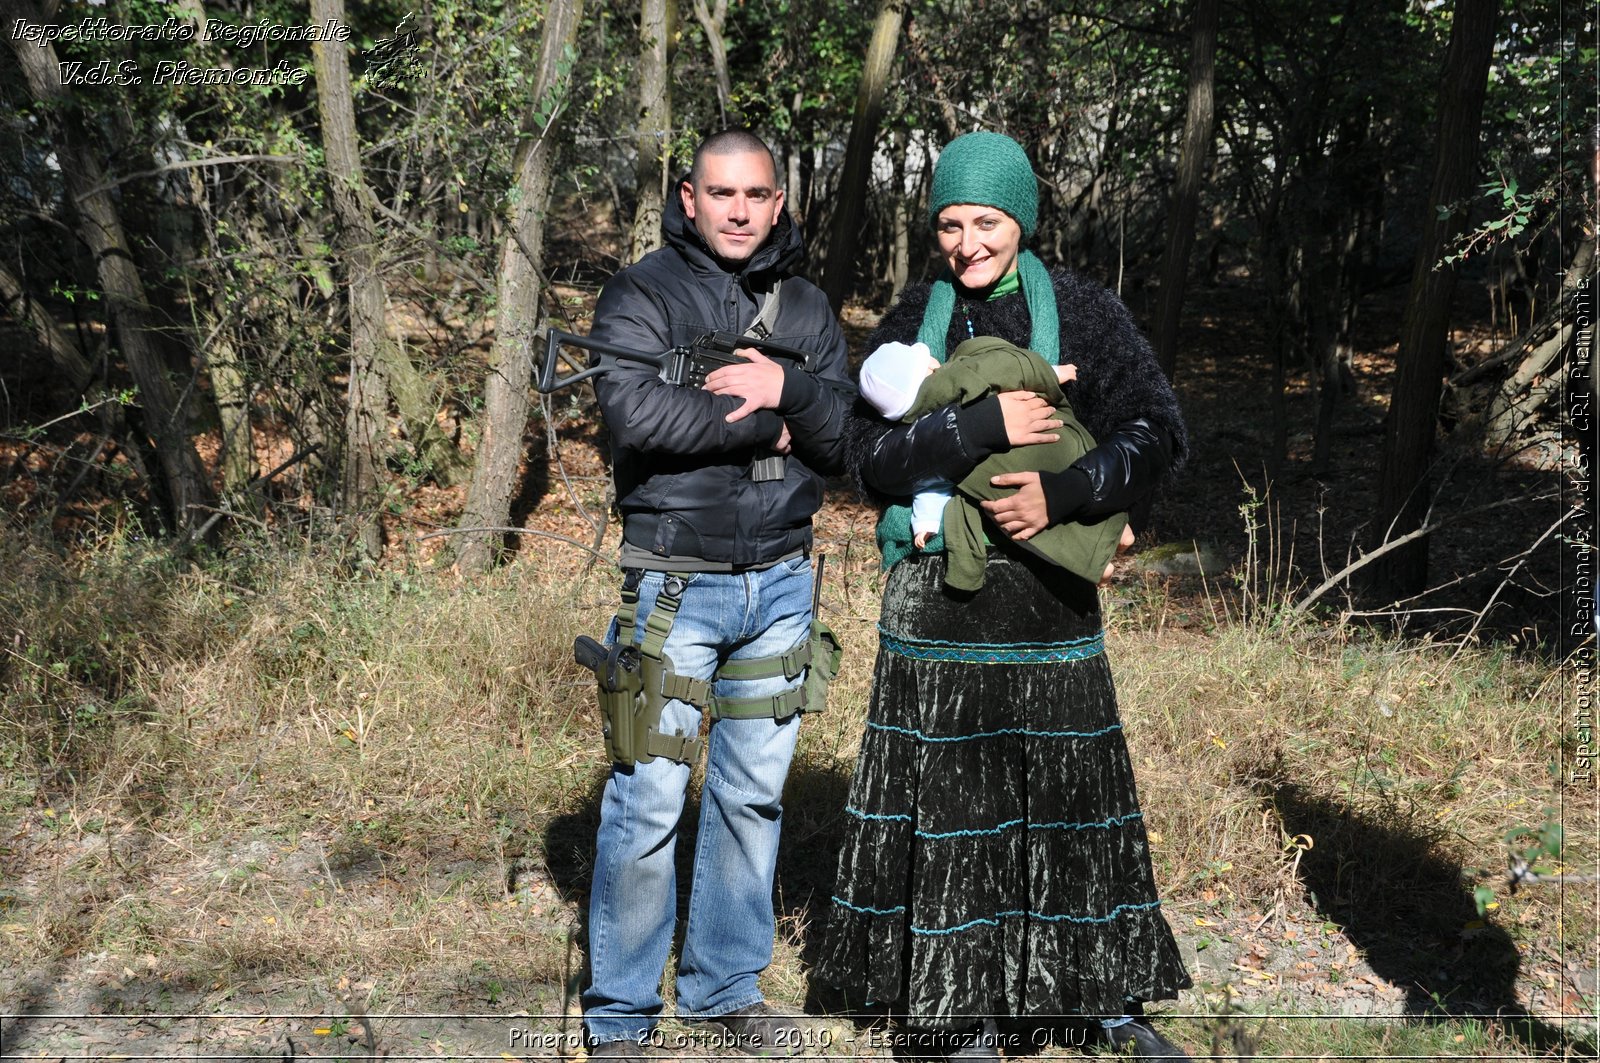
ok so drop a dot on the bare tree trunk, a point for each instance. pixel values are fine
(1354, 239)
(64, 354)
(1186, 189)
(356, 206)
(418, 402)
(1336, 380)
(654, 138)
(100, 228)
(1279, 256)
(517, 318)
(795, 199)
(900, 210)
(1509, 410)
(367, 413)
(917, 48)
(852, 191)
(232, 391)
(1404, 482)
(712, 21)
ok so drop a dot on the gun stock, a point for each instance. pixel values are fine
(550, 378)
(686, 364)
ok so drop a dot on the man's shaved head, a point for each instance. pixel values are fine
(730, 142)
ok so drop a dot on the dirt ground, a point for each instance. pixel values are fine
(1280, 961)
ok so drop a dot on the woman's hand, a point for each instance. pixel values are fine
(1022, 515)
(1029, 419)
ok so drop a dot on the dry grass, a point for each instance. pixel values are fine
(326, 772)
(1449, 743)
(277, 768)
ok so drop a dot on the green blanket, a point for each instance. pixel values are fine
(977, 368)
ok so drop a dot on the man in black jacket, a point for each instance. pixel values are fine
(717, 535)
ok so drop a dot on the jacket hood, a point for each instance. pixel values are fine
(783, 252)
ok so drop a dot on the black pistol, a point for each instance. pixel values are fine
(616, 672)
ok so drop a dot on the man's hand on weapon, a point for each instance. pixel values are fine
(759, 382)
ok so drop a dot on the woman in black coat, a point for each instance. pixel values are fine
(996, 863)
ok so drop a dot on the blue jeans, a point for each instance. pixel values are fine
(633, 904)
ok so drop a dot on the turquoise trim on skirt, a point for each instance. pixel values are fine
(991, 652)
(995, 860)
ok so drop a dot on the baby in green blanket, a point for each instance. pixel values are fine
(903, 382)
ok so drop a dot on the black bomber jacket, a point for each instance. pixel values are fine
(682, 472)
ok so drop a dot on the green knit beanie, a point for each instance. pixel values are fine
(989, 169)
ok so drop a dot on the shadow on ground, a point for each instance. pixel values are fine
(1408, 909)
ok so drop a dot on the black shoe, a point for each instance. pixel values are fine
(978, 1043)
(1145, 1042)
(982, 1047)
(760, 1030)
(626, 1050)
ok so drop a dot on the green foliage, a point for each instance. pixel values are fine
(1532, 852)
(1536, 137)
(1319, 116)
(1511, 212)
(555, 98)
(1533, 845)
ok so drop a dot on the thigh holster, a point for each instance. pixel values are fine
(818, 656)
(636, 679)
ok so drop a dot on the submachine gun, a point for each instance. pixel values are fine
(686, 364)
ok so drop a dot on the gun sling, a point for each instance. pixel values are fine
(769, 466)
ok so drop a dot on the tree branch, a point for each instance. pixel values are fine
(185, 164)
(1299, 608)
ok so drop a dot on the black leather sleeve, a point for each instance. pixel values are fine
(1122, 469)
(946, 443)
(815, 405)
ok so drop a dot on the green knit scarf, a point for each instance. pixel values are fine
(1036, 289)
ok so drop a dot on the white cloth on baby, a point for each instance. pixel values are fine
(891, 376)
(927, 506)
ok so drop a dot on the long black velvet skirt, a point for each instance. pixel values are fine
(995, 860)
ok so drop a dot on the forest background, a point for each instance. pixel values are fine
(293, 553)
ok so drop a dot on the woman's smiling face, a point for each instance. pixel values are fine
(980, 244)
